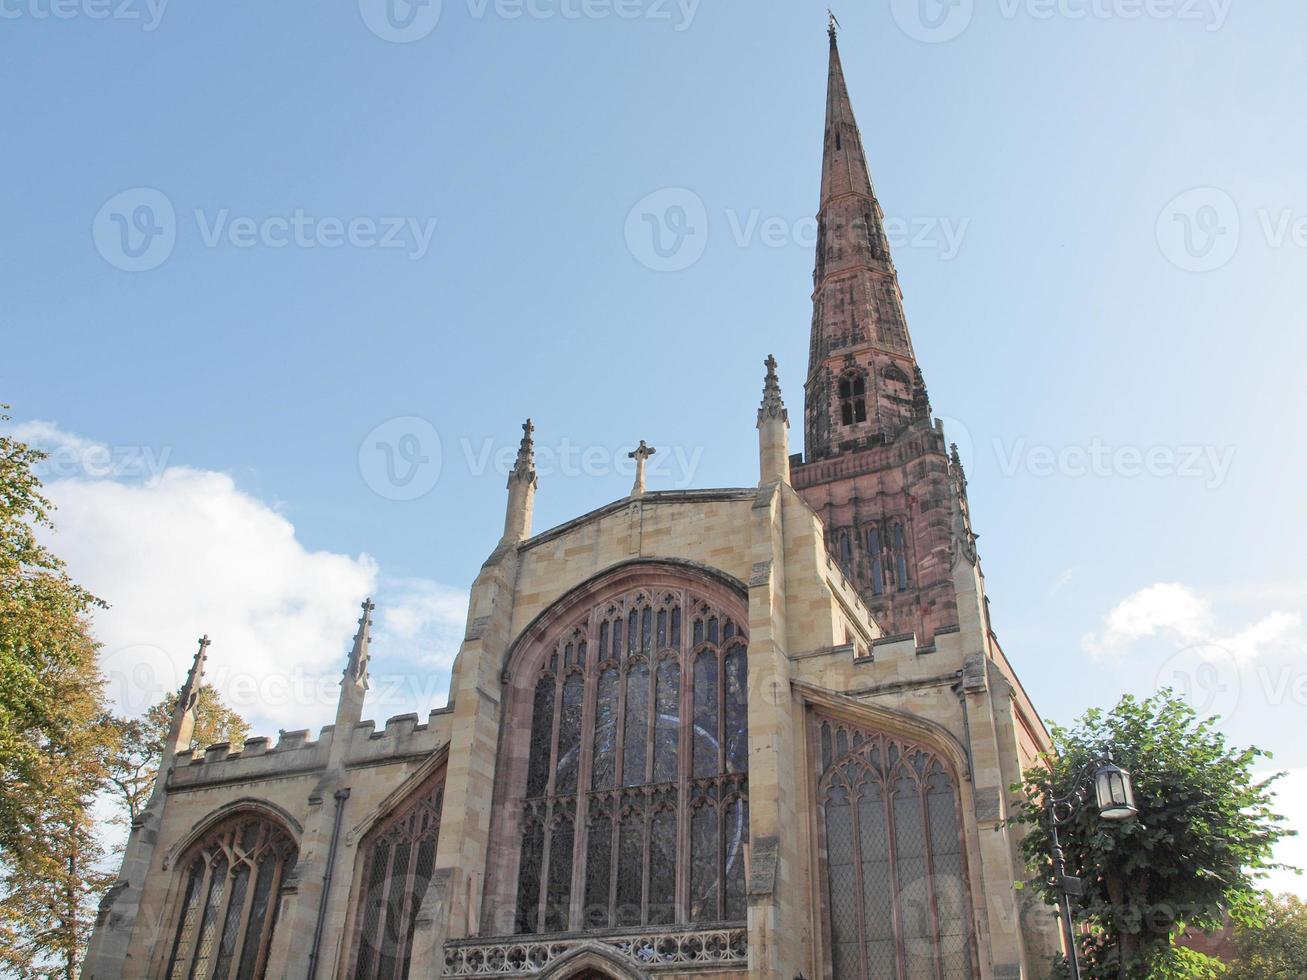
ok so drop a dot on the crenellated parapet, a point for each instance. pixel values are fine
(403, 738)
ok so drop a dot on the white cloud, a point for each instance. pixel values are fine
(187, 552)
(1290, 799)
(1178, 614)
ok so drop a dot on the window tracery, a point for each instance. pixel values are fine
(228, 905)
(896, 892)
(630, 751)
(398, 859)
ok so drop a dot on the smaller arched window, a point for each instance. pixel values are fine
(853, 399)
(897, 900)
(846, 554)
(398, 858)
(900, 557)
(876, 551)
(233, 878)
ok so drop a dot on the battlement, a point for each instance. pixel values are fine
(402, 738)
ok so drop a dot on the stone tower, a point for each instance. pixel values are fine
(875, 467)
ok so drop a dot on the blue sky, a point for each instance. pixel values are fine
(1102, 237)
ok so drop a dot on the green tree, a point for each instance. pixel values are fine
(55, 739)
(1204, 832)
(134, 766)
(1277, 948)
(43, 643)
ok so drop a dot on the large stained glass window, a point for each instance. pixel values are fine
(233, 879)
(896, 892)
(635, 809)
(399, 856)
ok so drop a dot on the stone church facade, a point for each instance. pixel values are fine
(753, 732)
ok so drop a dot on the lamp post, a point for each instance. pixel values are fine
(1115, 798)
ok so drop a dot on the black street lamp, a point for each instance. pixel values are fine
(1115, 797)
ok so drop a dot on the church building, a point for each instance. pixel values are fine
(761, 732)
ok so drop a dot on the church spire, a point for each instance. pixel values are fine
(861, 387)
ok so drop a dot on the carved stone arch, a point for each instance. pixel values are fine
(262, 808)
(891, 721)
(397, 796)
(593, 957)
(564, 608)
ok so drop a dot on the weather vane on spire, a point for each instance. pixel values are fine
(835, 25)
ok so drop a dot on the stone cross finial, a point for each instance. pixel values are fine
(773, 406)
(524, 469)
(641, 456)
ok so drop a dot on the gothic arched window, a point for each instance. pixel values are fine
(877, 560)
(634, 800)
(896, 890)
(853, 399)
(233, 877)
(900, 556)
(398, 857)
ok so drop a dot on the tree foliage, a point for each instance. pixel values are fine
(55, 739)
(134, 766)
(1277, 948)
(45, 652)
(1205, 830)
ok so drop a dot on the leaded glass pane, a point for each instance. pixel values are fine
(950, 885)
(209, 923)
(373, 909)
(630, 870)
(662, 868)
(843, 884)
(914, 887)
(633, 631)
(528, 876)
(190, 914)
(676, 626)
(559, 897)
(825, 747)
(662, 629)
(235, 917)
(667, 722)
(636, 729)
(705, 864)
(598, 873)
(395, 910)
(542, 733)
(259, 925)
(604, 764)
(617, 640)
(735, 822)
(706, 747)
(569, 736)
(877, 884)
(646, 630)
(737, 710)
